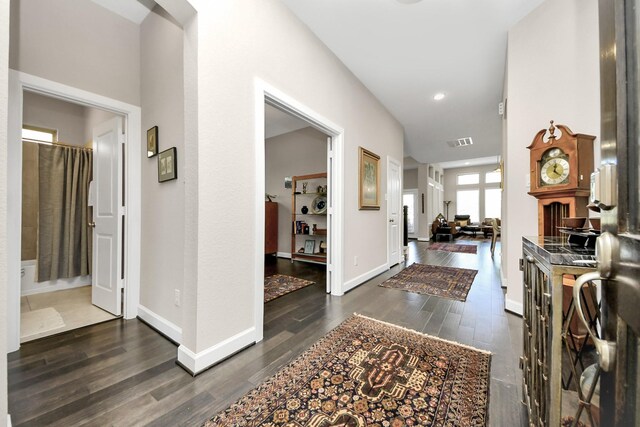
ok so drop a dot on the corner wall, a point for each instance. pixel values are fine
(271, 44)
(553, 74)
(162, 234)
(4, 104)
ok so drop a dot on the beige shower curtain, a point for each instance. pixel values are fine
(64, 239)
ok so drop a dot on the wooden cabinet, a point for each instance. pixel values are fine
(270, 227)
(309, 204)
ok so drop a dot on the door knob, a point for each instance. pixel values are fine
(92, 224)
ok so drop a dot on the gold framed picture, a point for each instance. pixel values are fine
(152, 142)
(369, 191)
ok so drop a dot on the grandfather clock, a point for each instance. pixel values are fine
(560, 176)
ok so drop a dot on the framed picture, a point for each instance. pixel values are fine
(309, 246)
(152, 141)
(167, 165)
(369, 180)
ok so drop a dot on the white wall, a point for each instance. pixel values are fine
(451, 186)
(300, 152)
(553, 74)
(410, 179)
(162, 260)
(239, 41)
(77, 43)
(46, 112)
(4, 84)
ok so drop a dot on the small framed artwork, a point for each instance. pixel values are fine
(309, 246)
(369, 179)
(167, 165)
(152, 141)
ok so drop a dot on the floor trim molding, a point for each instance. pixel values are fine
(283, 255)
(159, 323)
(513, 306)
(196, 363)
(364, 277)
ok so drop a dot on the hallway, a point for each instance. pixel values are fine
(123, 373)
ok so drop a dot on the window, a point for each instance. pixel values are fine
(408, 200)
(32, 133)
(492, 178)
(493, 203)
(468, 203)
(469, 178)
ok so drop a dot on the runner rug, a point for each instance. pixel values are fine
(453, 247)
(446, 282)
(370, 373)
(280, 284)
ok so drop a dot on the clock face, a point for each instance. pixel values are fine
(554, 171)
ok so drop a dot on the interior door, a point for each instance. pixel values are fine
(107, 176)
(618, 183)
(394, 202)
(410, 200)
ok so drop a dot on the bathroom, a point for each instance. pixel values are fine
(56, 232)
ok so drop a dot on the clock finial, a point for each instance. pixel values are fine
(552, 129)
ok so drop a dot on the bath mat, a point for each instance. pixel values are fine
(280, 284)
(446, 282)
(370, 373)
(453, 247)
(38, 322)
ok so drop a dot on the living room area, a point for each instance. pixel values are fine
(454, 201)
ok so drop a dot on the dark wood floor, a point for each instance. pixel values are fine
(122, 373)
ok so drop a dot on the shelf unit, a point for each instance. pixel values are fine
(300, 198)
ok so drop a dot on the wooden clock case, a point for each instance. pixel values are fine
(570, 198)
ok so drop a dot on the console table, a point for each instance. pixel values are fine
(546, 260)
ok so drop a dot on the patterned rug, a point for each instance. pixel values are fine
(279, 284)
(452, 247)
(446, 282)
(370, 373)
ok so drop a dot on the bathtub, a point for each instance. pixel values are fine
(29, 286)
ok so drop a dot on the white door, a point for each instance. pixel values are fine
(394, 215)
(107, 180)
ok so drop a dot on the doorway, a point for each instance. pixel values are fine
(128, 232)
(61, 259)
(296, 226)
(410, 200)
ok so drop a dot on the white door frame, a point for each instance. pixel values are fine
(18, 83)
(416, 211)
(265, 93)
(390, 262)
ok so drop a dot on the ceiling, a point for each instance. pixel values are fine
(277, 122)
(406, 53)
(133, 10)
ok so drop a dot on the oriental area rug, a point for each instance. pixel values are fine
(453, 247)
(370, 373)
(280, 284)
(445, 282)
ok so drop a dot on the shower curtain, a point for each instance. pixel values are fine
(64, 238)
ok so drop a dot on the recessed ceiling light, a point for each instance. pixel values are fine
(467, 163)
(408, 1)
(438, 96)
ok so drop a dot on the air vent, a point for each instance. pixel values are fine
(461, 142)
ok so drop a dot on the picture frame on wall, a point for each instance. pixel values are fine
(152, 142)
(309, 246)
(369, 180)
(167, 165)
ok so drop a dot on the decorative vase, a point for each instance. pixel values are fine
(304, 209)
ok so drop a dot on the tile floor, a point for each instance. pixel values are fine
(50, 313)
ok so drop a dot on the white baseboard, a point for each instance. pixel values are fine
(424, 239)
(8, 420)
(513, 306)
(350, 284)
(198, 362)
(503, 279)
(284, 255)
(169, 329)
